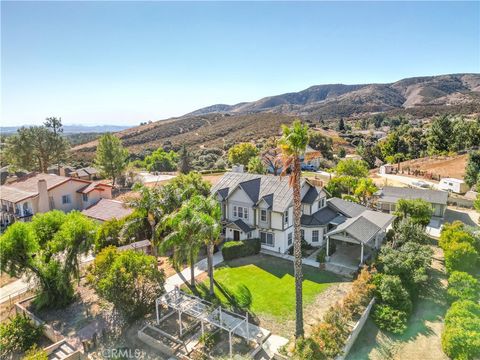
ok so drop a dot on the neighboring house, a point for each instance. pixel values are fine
(387, 198)
(454, 185)
(261, 206)
(387, 169)
(40, 193)
(86, 173)
(107, 209)
(312, 157)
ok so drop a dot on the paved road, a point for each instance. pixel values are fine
(14, 288)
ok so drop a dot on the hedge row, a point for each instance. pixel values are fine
(237, 249)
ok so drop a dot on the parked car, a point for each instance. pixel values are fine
(308, 167)
(421, 184)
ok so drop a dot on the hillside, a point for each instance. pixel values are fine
(212, 130)
(346, 100)
(221, 124)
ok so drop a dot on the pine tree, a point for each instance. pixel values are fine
(184, 164)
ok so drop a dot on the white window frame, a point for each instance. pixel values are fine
(290, 239)
(302, 234)
(315, 236)
(285, 219)
(66, 199)
(262, 214)
(234, 211)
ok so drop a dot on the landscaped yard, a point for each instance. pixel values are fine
(271, 283)
(421, 340)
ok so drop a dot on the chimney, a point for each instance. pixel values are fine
(43, 203)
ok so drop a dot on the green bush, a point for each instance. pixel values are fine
(237, 249)
(390, 319)
(308, 349)
(461, 256)
(321, 256)
(19, 334)
(109, 233)
(463, 286)
(390, 291)
(461, 334)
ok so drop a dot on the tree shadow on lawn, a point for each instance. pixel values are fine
(281, 268)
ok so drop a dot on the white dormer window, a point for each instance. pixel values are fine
(286, 217)
(241, 212)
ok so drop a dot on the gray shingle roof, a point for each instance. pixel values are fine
(319, 218)
(347, 208)
(275, 189)
(358, 227)
(310, 195)
(392, 194)
(242, 225)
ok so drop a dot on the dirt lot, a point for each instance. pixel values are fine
(422, 338)
(444, 166)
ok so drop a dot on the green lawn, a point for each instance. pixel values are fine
(271, 283)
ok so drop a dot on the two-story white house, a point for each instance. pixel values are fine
(261, 206)
(44, 192)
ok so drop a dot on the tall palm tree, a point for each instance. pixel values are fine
(293, 145)
(185, 237)
(210, 217)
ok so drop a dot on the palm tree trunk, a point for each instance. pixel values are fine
(210, 265)
(192, 270)
(297, 250)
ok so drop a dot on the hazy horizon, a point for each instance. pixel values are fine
(122, 63)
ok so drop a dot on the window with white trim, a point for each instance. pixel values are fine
(290, 239)
(240, 212)
(263, 215)
(235, 211)
(322, 202)
(286, 217)
(66, 199)
(315, 236)
(302, 232)
(266, 238)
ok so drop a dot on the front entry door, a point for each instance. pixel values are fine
(236, 235)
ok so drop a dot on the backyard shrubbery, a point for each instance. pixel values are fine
(18, 334)
(329, 336)
(237, 249)
(403, 265)
(463, 286)
(461, 334)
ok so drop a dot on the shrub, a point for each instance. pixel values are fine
(463, 286)
(461, 256)
(308, 349)
(321, 255)
(330, 338)
(390, 291)
(390, 319)
(35, 353)
(360, 294)
(237, 249)
(19, 334)
(461, 334)
(109, 233)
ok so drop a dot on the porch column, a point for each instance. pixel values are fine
(327, 257)
(361, 254)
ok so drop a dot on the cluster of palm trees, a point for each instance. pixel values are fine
(183, 218)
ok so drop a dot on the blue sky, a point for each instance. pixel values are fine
(127, 62)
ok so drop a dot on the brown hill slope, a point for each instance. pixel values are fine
(212, 130)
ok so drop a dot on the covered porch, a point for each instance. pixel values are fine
(348, 252)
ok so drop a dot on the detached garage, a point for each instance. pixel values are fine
(387, 198)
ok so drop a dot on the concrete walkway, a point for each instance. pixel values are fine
(305, 261)
(14, 289)
(184, 276)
